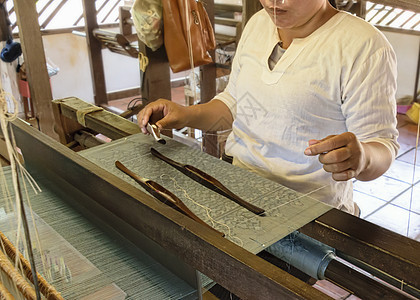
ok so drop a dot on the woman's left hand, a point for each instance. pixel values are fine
(342, 155)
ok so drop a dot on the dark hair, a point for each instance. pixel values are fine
(333, 3)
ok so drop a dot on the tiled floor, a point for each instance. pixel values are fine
(391, 201)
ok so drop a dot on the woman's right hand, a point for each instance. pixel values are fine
(164, 113)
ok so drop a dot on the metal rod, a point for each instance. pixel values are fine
(360, 284)
(400, 284)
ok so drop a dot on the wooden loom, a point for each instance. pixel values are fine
(236, 269)
(9, 271)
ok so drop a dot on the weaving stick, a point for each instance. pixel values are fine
(208, 181)
(46, 289)
(163, 195)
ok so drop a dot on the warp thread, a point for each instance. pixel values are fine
(20, 262)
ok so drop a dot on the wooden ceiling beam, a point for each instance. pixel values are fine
(98, 11)
(110, 11)
(408, 19)
(377, 13)
(416, 24)
(413, 5)
(52, 15)
(396, 17)
(45, 7)
(385, 16)
(39, 14)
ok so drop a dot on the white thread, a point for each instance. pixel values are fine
(262, 245)
(207, 209)
(3, 120)
(6, 117)
(38, 241)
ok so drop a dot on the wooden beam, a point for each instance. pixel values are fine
(413, 5)
(208, 90)
(36, 65)
(79, 29)
(377, 13)
(120, 94)
(156, 81)
(95, 53)
(45, 7)
(53, 14)
(124, 15)
(97, 12)
(250, 7)
(105, 122)
(398, 30)
(408, 19)
(110, 11)
(5, 30)
(359, 9)
(395, 18)
(222, 7)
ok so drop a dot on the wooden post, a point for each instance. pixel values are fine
(156, 81)
(249, 8)
(359, 9)
(208, 90)
(36, 66)
(125, 27)
(95, 53)
(5, 30)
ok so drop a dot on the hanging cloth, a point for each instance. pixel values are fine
(147, 19)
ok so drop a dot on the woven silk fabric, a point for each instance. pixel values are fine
(286, 209)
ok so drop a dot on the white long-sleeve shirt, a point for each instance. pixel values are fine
(340, 78)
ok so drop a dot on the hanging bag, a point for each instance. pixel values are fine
(188, 34)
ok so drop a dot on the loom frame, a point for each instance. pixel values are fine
(362, 240)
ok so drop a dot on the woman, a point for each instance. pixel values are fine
(307, 82)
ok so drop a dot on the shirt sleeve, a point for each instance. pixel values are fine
(368, 99)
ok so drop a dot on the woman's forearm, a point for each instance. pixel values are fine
(378, 160)
(211, 116)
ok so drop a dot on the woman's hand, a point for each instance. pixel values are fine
(342, 155)
(164, 113)
(210, 116)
